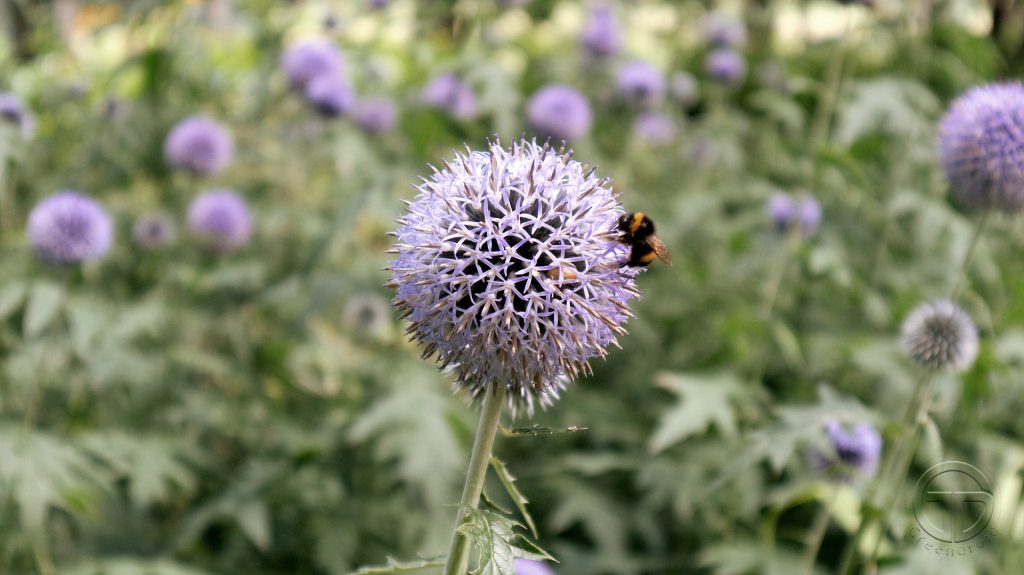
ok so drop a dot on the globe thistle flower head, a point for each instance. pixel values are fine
(723, 30)
(13, 112)
(601, 35)
(531, 567)
(655, 129)
(726, 66)
(376, 116)
(940, 335)
(446, 92)
(509, 270)
(854, 452)
(154, 231)
(640, 83)
(69, 228)
(682, 87)
(330, 95)
(199, 145)
(560, 112)
(981, 147)
(221, 219)
(306, 61)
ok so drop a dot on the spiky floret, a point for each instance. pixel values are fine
(854, 452)
(509, 270)
(940, 335)
(981, 147)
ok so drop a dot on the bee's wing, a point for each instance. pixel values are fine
(659, 249)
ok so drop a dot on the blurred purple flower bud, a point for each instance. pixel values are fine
(601, 35)
(810, 216)
(560, 112)
(722, 30)
(311, 59)
(199, 145)
(726, 66)
(221, 219)
(446, 92)
(531, 567)
(330, 95)
(376, 115)
(154, 231)
(655, 129)
(640, 83)
(69, 228)
(855, 452)
(940, 335)
(13, 112)
(683, 89)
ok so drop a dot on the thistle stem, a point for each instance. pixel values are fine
(490, 416)
(817, 533)
(972, 249)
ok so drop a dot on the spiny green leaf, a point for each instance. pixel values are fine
(703, 400)
(403, 567)
(493, 536)
(517, 496)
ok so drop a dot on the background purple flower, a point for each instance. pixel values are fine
(786, 212)
(199, 145)
(810, 215)
(531, 567)
(69, 228)
(655, 128)
(726, 66)
(640, 83)
(13, 112)
(981, 147)
(559, 112)
(683, 88)
(509, 273)
(311, 59)
(376, 115)
(722, 30)
(855, 452)
(154, 231)
(601, 35)
(220, 218)
(446, 92)
(330, 95)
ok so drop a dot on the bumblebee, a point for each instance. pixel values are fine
(638, 233)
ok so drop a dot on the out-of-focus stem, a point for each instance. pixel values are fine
(490, 416)
(972, 249)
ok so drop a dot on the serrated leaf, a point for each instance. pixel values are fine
(497, 545)
(703, 400)
(517, 496)
(44, 300)
(403, 567)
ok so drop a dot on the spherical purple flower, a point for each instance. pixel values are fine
(13, 112)
(783, 211)
(510, 270)
(376, 115)
(69, 228)
(199, 145)
(154, 231)
(655, 129)
(981, 147)
(311, 59)
(726, 66)
(446, 92)
(641, 83)
(601, 35)
(559, 112)
(810, 215)
(531, 567)
(330, 95)
(220, 218)
(722, 30)
(683, 88)
(940, 335)
(855, 452)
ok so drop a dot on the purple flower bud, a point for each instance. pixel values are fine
(221, 219)
(601, 35)
(722, 30)
(446, 92)
(509, 270)
(154, 231)
(376, 116)
(14, 113)
(311, 59)
(531, 567)
(655, 129)
(726, 66)
(641, 83)
(980, 143)
(559, 112)
(69, 228)
(810, 216)
(330, 95)
(855, 452)
(683, 88)
(199, 145)
(783, 210)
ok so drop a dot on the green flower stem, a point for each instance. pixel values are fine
(972, 249)
(889, 464)
(490, 416)
(830, 91)
(817, 533)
